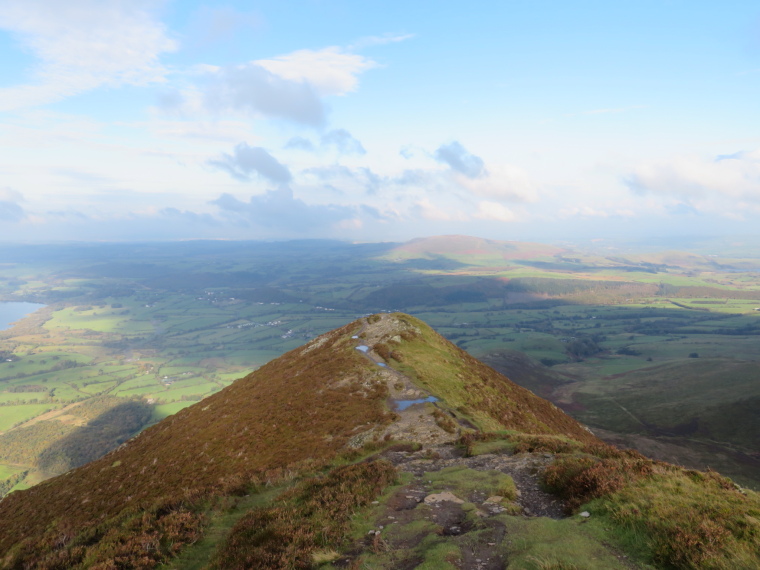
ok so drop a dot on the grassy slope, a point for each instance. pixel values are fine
(211, 447)
(475, 390)
(686, 398)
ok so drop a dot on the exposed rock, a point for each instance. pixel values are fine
(444, 496)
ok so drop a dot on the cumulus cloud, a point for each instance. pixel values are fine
(350, 179)
(252, 88)
(290, 86)
(343, 141)
(460, 160)
(735, 175)
(300, 143)
(330, 71)
(82, 45)
(279, 212)
(247, 160)
(339, 139)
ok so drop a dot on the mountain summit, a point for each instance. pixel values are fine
(378, 443)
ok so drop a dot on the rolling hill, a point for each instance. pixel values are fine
(379, 444)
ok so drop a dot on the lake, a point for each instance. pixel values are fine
(13, 311)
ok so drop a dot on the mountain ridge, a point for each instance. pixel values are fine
(301, 422)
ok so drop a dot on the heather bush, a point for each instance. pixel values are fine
(312, 516)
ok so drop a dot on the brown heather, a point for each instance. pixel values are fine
(296, 411)
(314, 514)
(291, 421)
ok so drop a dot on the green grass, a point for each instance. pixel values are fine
(12, 415)
(686, 519)
(672, 394)
(463, 482)
(7, 471)
(162, 411)
(542, 544)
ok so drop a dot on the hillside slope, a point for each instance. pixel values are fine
(263, 475)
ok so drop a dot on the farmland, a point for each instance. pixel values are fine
(654, 348)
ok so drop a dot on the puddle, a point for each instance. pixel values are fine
(404, 404)
(362, 348)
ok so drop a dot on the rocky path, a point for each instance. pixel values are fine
(524, 470)
(454, 509)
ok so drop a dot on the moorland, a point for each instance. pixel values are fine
(312, 462)
(652, 348)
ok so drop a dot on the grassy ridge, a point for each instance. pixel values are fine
(474, 389)
(292, 420)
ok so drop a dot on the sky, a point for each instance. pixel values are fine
(134, 120)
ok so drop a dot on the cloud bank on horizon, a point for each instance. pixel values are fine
(181, 119)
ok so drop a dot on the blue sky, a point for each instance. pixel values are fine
(152, 119)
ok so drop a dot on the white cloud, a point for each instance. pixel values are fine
(503, 182)
(247, 160)
(253, 88)
(461, 160)
(82, 45)
(371, 41)
(736, 176)
(331, 71)
(343, 141)
(288, 87)
(494, 211)
(583, 211)
(426, 209)
(220, 130)
(281, 213)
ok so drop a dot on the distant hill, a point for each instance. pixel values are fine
(473, 247)
(380, 444)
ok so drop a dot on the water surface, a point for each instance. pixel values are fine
(13, 311)
(404, 404)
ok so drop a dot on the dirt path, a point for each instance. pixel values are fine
(524, 470)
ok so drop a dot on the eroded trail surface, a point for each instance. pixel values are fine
(461, 499)
(524, 470)
(481, 513)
